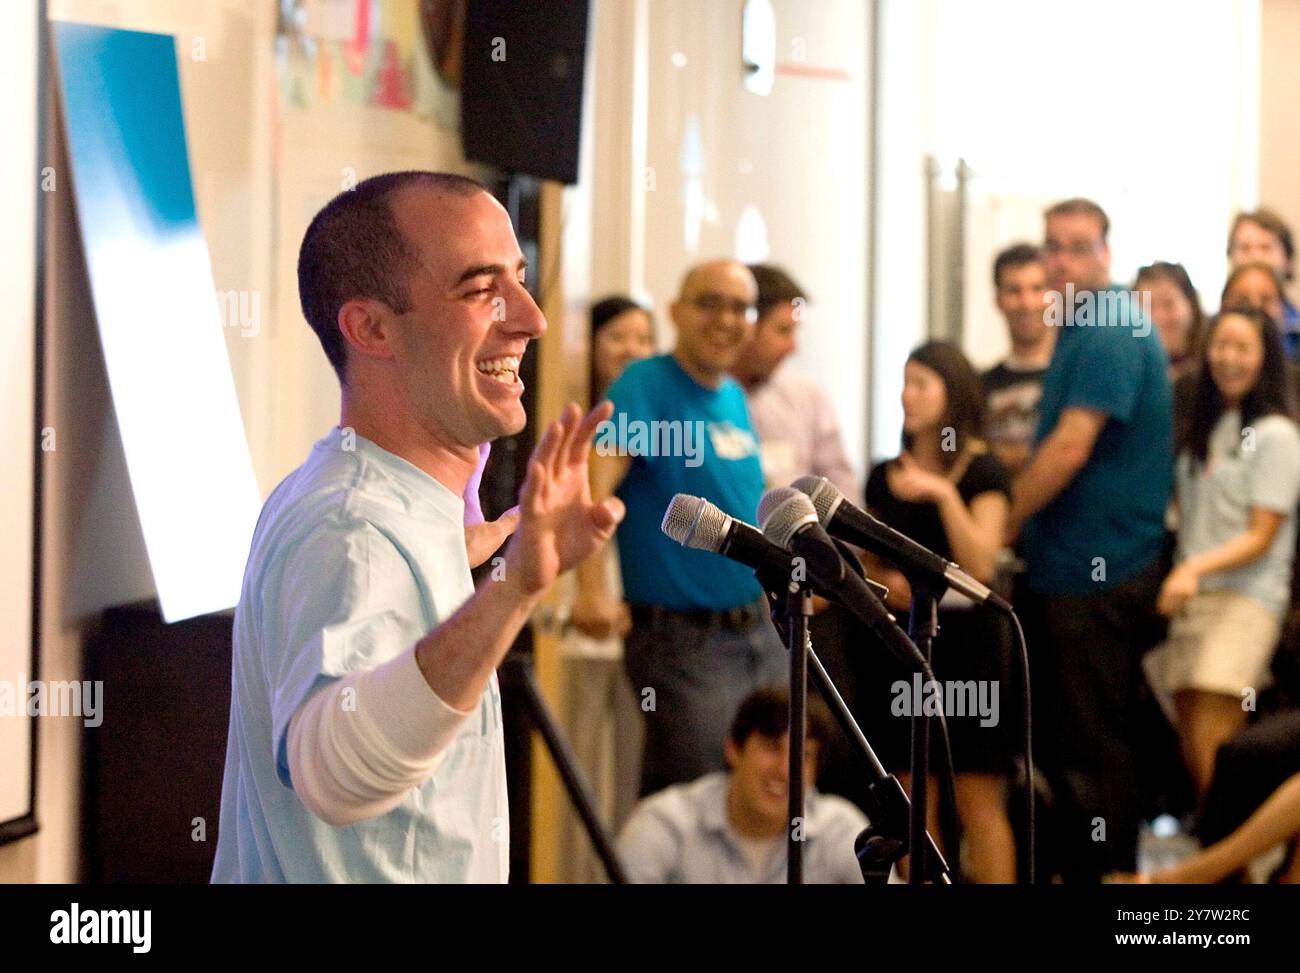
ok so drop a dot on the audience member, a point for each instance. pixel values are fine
(601, 717)
(1013, 387)
(1255, 285)
(1277, 821)
(1263, 237)
(1092, 504)
(948, 492)
(796, 425)
(1175, 311)
(732, 827)
(1247, 769)
(700, 640)
(1238, 479)
(1251, 285)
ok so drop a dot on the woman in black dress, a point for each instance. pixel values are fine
(948, 492)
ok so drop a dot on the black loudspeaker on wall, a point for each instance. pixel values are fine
(521, 87)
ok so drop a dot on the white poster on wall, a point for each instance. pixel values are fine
(19, 186)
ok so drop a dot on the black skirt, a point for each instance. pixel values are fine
(978, 687)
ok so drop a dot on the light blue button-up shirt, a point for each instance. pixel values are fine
(356, 556)
(681, 836)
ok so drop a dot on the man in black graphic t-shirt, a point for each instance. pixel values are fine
(1013, 387)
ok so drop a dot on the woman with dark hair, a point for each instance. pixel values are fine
(601, 716)
(621, 333)
(1175, 311)
(948, 492)
(1255, 285)
(1249, 285)
(1238, 479)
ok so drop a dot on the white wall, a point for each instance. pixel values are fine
(901, 136)
(713, 151)
(1147, 107)
(1279, 111)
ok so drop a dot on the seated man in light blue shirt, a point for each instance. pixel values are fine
(365, 737)
(731, 827)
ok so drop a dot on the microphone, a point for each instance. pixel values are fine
(697, 523)
(694, 522)
(789, 520)
(841, 518)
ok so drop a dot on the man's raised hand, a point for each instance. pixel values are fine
(559, 525)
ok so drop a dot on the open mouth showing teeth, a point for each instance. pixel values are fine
(504, 370)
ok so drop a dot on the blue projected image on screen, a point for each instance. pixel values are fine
(156, 307)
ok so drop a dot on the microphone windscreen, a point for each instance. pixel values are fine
(782, 511)
(823, 494)
(709, 529)
(680, 516)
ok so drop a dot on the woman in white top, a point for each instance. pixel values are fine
(1238, 479)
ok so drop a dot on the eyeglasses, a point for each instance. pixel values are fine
(1079, 249)
(716, 304)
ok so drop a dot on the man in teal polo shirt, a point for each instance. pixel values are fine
(1092, 502)
(700, 640)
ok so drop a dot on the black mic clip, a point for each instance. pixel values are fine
(776, 585)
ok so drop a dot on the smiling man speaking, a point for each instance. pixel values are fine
(365, 735)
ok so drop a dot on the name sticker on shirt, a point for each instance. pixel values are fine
(731, 442)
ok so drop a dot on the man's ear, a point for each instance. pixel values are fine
(366, 327)
(731, 752)
(674, 313)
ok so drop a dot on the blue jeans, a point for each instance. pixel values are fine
(689, 679)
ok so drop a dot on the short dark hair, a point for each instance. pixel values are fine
(1016, 255)
(354, 248)
(1268, 220)
(775, 286)
(767, 712)
(1078, 206)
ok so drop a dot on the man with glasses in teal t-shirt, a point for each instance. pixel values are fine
(700, 640)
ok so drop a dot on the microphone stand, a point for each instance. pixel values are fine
(887, 839)
(798, 612)
(922, 627)
(518, 670)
